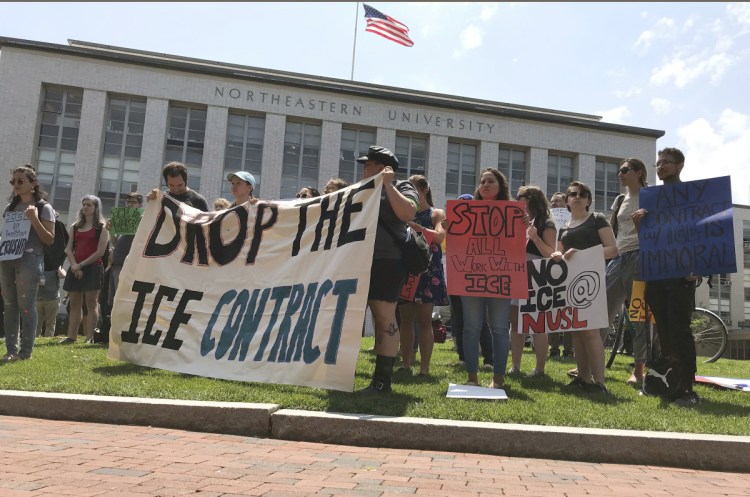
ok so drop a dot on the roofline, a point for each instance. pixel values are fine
(405, 95)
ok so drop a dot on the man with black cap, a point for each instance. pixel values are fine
(398, 204)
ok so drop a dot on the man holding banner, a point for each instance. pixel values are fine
(123, 235)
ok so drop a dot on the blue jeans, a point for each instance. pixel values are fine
(497, 312)
(19, 280)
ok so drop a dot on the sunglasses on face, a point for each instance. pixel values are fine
(578, 194)
(17, 181)
(303, 195)
(625, 170)
(522, 196)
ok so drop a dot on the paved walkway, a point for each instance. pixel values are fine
(53, 458)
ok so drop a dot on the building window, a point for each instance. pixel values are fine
(720, 296)
(58, 142)
(244, 151)
(512, 163)
(461, 175)
(606, 185)
(301, 157)
(354, 143)
(559, 173)
(411, 152)
(122, 152)
(746, 268)
(187, 133)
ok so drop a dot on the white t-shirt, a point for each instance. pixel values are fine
(627, 235)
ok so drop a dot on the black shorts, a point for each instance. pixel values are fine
(387, 278)
(93, 277)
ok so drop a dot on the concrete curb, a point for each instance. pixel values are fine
(695, 451)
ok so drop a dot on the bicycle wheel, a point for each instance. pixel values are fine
(710, 334)
(614, 337)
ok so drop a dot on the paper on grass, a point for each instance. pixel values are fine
(471, 392)
(730, 383)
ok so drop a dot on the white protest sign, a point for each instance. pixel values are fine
(561, 216)
(274, 292)
(566, 295)
(14, 236)
(475, 392)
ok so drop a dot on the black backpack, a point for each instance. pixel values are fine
(663, 378)
(54, 255)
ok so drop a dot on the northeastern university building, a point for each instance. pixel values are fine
(104, 120)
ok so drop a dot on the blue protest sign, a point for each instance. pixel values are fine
(688, 229)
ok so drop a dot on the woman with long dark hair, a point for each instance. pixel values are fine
(20, 277)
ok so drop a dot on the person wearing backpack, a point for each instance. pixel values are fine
(88, 242)
(19, 278)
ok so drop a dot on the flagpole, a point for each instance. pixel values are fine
(354, 48)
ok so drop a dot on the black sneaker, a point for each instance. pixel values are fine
(595, 388)
(554, 354)
(577, 383)
(687, 399)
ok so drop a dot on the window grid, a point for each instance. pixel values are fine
(354, 143)
(244, 150)
(187, 133)
(461, 174)
(122, 152)
(58, 142)
(301, 157)
(411, 152)
(606, 185)
(746, 268)
(719, 297)
(560, 173)
(512, 163)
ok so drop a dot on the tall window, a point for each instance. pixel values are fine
(301, 157)
(244, 150)
(354, 143)
(187, 133)
(606, 185)
(559, 173)
(461, 175)
(720, 296)
(412, 156)
(122, 152)
(746, 265)
(58, 141)
(512, 163)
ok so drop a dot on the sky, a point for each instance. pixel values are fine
(683, 68)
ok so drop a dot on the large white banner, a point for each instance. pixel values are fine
(274, 292)
(566, 295)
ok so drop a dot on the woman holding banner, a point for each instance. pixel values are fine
(492, 186)
(585, 230)
(20, 275)
(431, 289)
(540, 243)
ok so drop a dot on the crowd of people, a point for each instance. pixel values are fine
(402, 327)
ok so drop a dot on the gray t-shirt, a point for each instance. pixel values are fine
(34, 244)
(385, 245)
(627, 235)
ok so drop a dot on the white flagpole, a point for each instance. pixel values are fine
(354, 48)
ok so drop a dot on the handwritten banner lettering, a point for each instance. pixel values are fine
(15, 235)
(273, 292)
(688, 229)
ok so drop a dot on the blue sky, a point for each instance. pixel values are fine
(679, 67)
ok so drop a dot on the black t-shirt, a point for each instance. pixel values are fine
(531, 246)
(585, 235)
(193, 199)
(385, 245)
(122, 249)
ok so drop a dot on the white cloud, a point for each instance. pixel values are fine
(471, 37)
(682, 71)
(663, 28)
(661, 105)
(644, 41)
(488, 11)
(618, 115)
(722, 149)
(630, 92)
(739, 12)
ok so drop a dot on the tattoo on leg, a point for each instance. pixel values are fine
(392, 329)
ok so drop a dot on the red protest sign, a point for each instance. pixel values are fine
(486, 248)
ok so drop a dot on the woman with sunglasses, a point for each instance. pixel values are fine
(20, 277)
(585, 230)
(308, 192)
(540, 243)
(626, 267)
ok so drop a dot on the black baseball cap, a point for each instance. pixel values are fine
(382, 155)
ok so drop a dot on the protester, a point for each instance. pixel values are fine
(221, 204)
(626, 267)
(398, 204)
(19, 278)
(48, 302)
(585, 230)
(672, 300)
(557, 201)
(540, 243)
(308, 192)
(88, 242)
(492, 186)
(431, 289)
(121, 250)
(175, 176)
(334, 184)
(243, 186)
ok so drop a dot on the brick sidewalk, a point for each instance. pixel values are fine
(53, 458)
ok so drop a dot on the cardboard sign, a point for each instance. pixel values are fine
(566, 295)
(125, 220)
(15, 235)
(486, 248)
(637, 308)
(688, 229)
(561, 216)
(273, 292)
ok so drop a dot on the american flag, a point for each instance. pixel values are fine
(387, 27)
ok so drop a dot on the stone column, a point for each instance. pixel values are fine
(154, 141)
(89, 150)
(273, 156)
(212, 170)
(330, 151)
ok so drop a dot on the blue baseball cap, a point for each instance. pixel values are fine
(466, 196)
(244, 176)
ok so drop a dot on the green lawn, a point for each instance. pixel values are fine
(85, 369)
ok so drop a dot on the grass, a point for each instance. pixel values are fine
(85, 369)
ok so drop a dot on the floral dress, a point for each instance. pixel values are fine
(431, 287)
